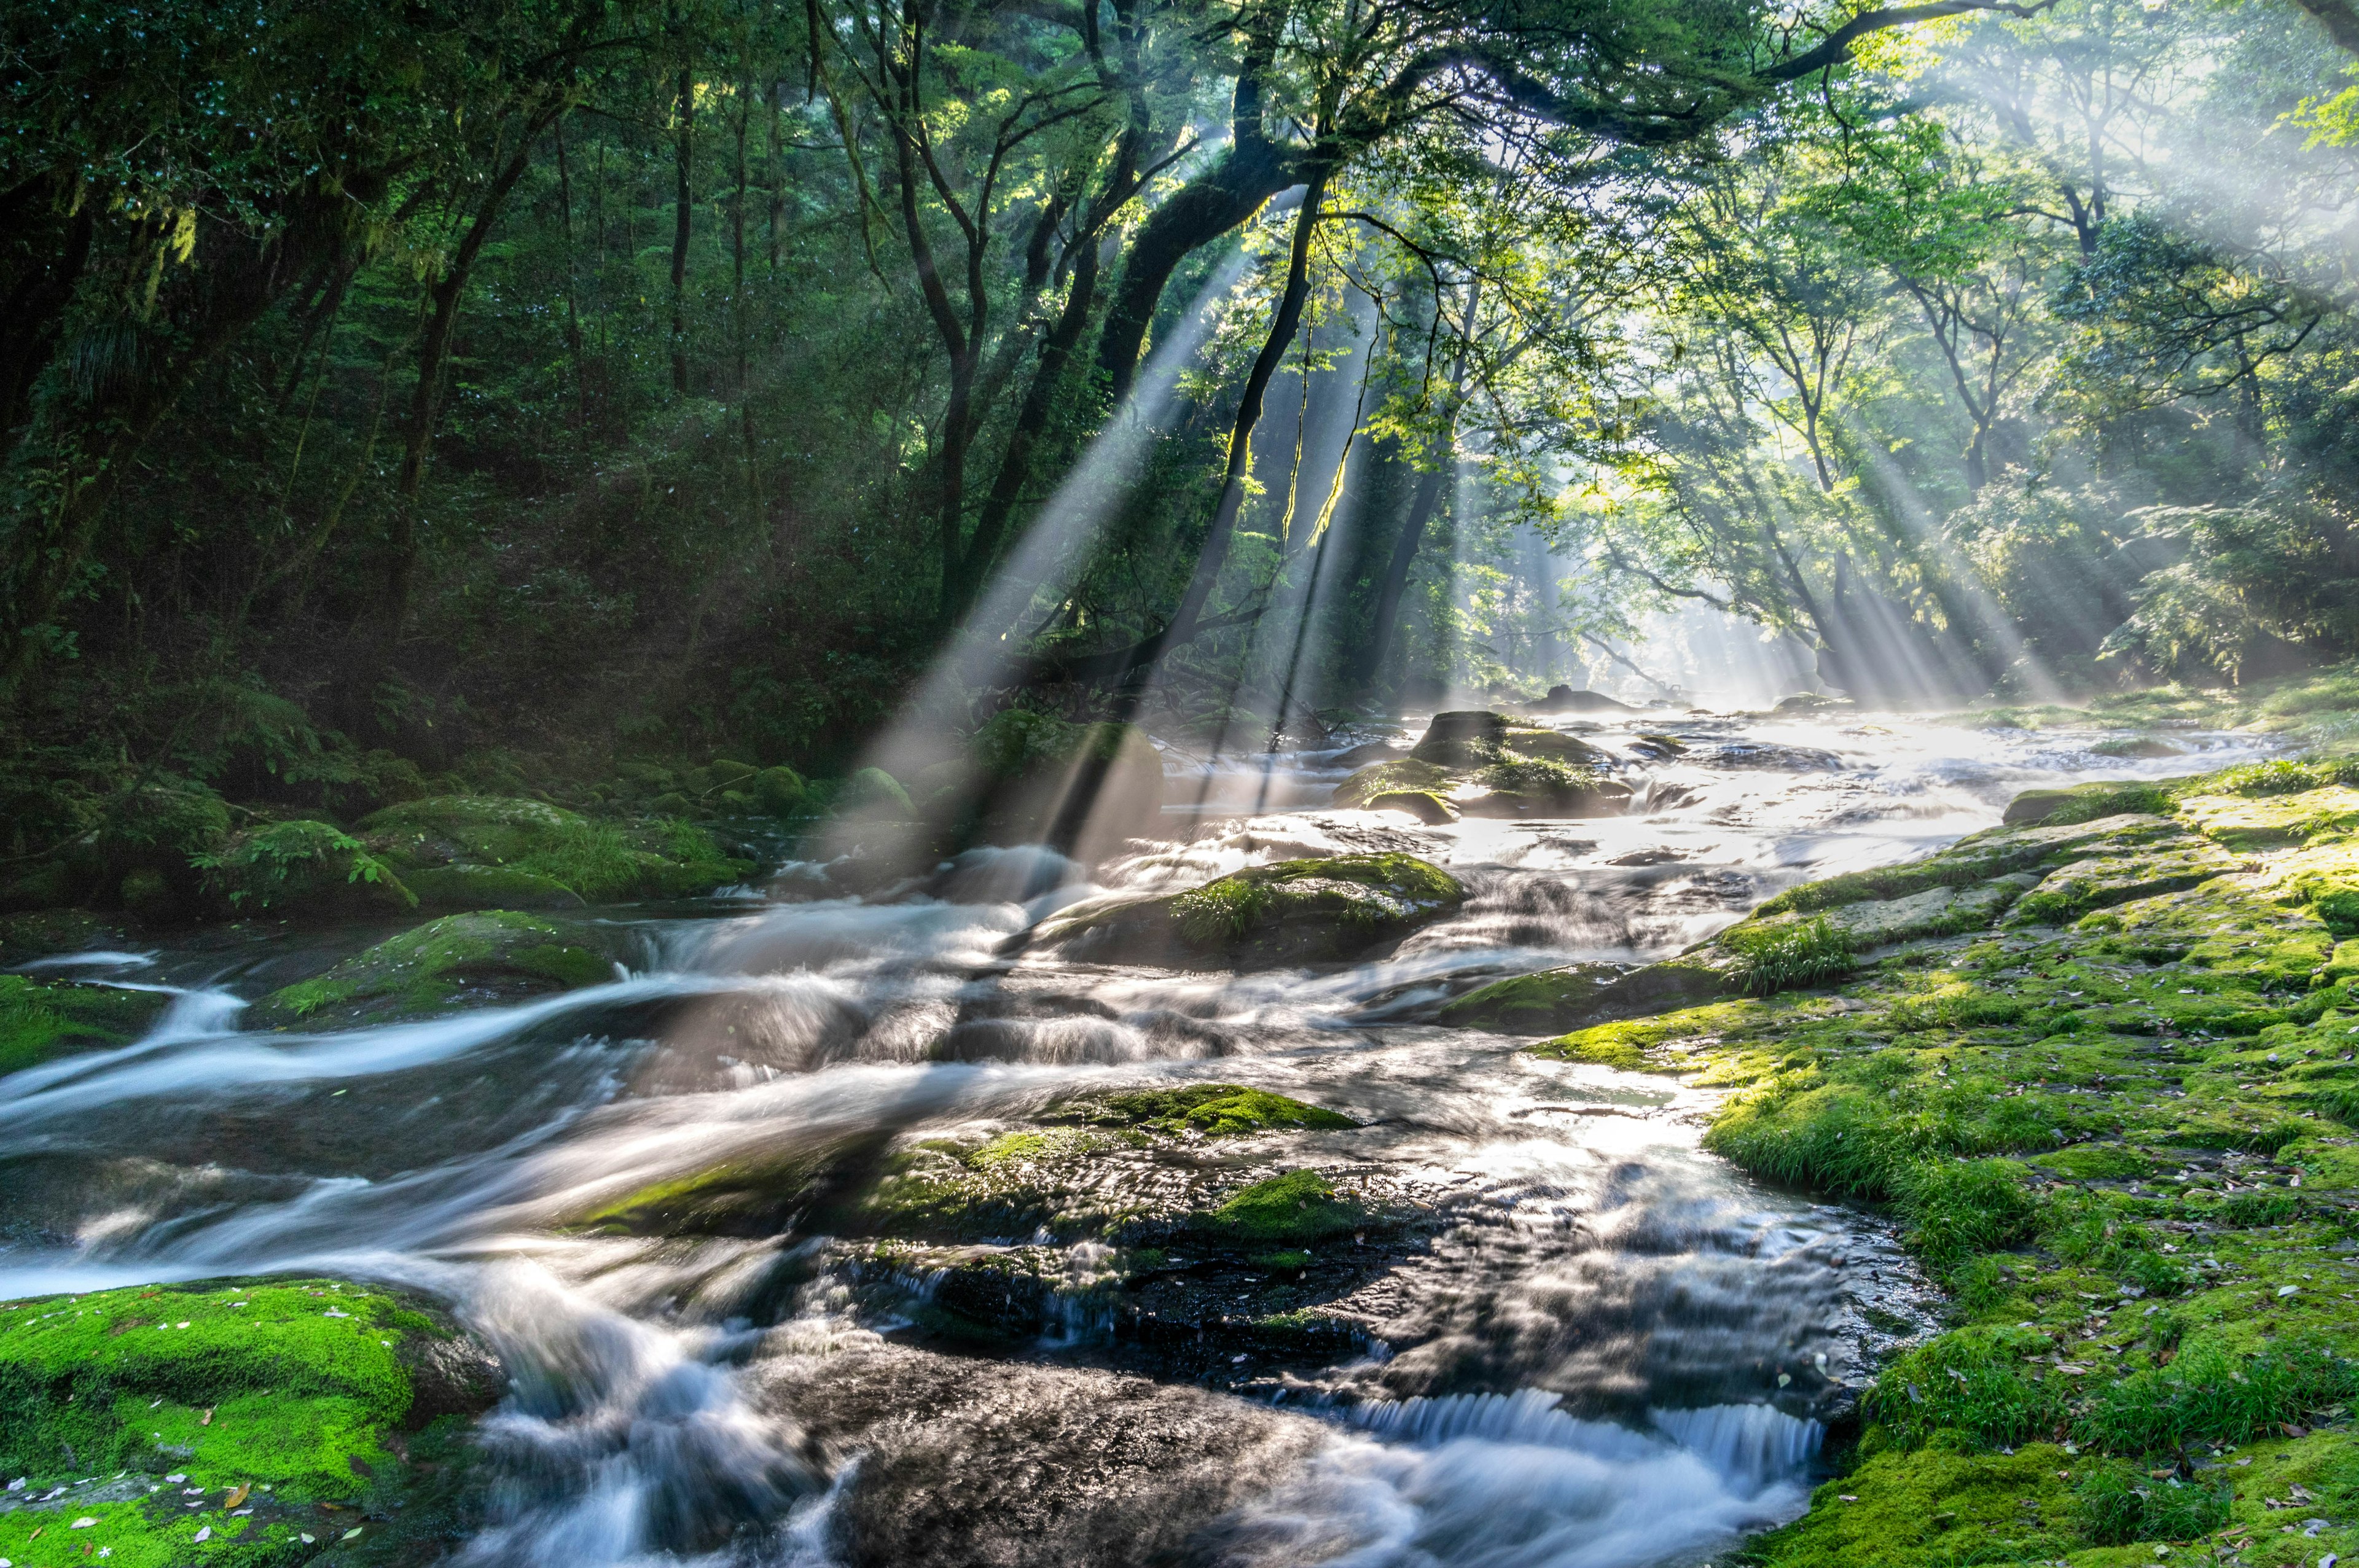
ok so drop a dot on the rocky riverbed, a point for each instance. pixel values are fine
(1657, 1132)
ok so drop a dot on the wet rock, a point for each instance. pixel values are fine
(2100, 881)
(956, 1453)
(40, 1021)
(302, 868)
(2138, 746)
(1812, 702)
(1569, 699)
(1534, 1004)
(1424, 805)
(1295, 912)
(1766, 754)
(1209, 1110)
(40, 934)
(286, 1405)
(1657, 856)
(752, 1194)
(454, 849)
(2086, 802)
(460, 960)
(1369, 752)
(1528, 787)
(1407, 775)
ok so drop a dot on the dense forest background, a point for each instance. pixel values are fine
(507, 391)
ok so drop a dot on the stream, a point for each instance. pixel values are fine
(1616, 1352)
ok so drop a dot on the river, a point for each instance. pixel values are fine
(1612, 1351)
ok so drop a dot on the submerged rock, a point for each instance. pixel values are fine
(266, 1413)
(467, 851)
(1296, 911)
(460, 960)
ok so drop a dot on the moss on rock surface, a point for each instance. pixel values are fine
(39, 1021)
(454, 850)
(235, 1421)
(1296, 911)
(302, 867)
(1210, 1110)
(460, 960)
(2117, 1123)
(1486, 764)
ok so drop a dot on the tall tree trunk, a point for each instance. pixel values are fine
(433, 358)
(1214, 553)
(1423, 504)
(572, 307)
(683, 160)
(737, 286)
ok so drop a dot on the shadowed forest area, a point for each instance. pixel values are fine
(518, 393)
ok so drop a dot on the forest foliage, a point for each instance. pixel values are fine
(497, 392)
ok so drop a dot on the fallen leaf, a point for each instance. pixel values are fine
(352, 1532)
(206, 1534)
(207, 1419)
(237, 1496)
(82, 1523)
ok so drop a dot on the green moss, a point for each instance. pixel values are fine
(1210, 1110)
(302, 866)
(1388, 778)
(1780, 956)
(293, 1388)
(1636, 1044)
(1933, 1509)
(597, 860)
(38, 1020)
(438, 966)
(1530, 1003)
(1297, 1209)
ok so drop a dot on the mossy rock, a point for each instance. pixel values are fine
(749, 1194)
(489, 887)
(1536, 1003)
(40, 1021)
(318, 1409)
(780, 791)
(1518, 786)
(45, 933)
(1296, 1209)
(596, 860)
(460, 960)
(1424, 805)
(2085, 803)
(1363, 789)
(1296, 911)
(302, 868)
(1209, 1110)
(1467, 738)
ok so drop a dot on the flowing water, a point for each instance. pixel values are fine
(1615, 1352)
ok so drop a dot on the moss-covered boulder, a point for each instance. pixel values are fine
(1485, 764)
(1424, 805)
(1519, 786)
(461, 960)
(242, 1422)
(1296, 911)
(468, 851)
(40, 1021)
(301, 867)
(1363, 788)
(1534, 1004)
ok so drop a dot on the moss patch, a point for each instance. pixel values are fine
(1209, 1110)
(459, 960)
(596, 860)
(297, 1401)
(2122, 1137)
(1296, 1209)
(39, 1021)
